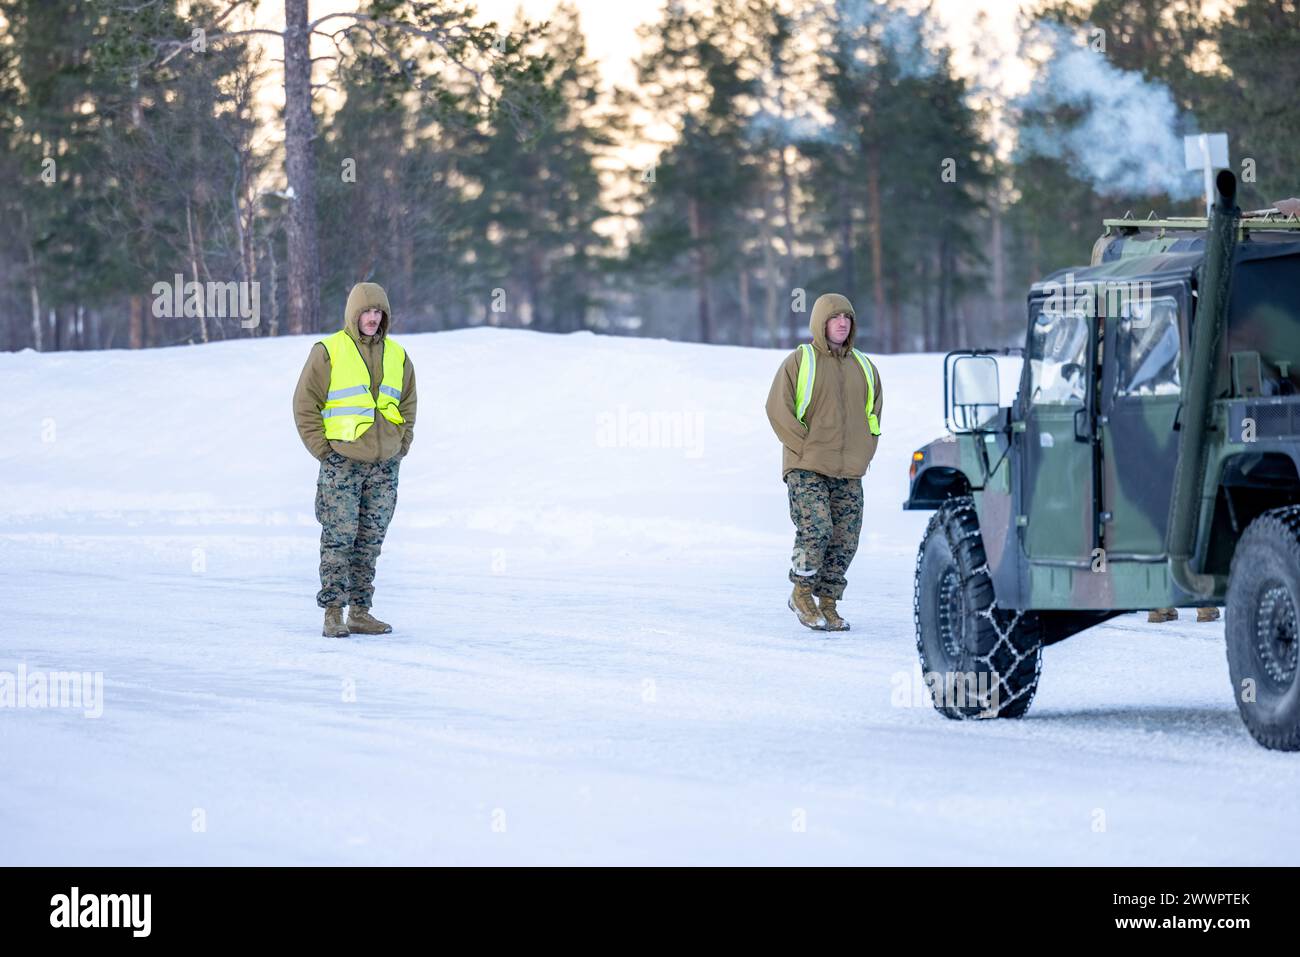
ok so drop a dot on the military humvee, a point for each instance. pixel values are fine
(1151, 458)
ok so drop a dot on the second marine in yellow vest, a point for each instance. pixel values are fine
(832, 425)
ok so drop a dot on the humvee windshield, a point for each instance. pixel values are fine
(1058, 344)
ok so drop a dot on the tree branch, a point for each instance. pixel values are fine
(178, 46)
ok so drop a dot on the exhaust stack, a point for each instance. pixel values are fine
(1208, 325)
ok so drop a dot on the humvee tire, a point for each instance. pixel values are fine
(961, 634)
(1261, 628)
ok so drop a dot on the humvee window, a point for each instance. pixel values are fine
(1058, 345)
(1147, 348)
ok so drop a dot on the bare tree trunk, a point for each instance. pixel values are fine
(746, 318)
(772, 304)
(877, 251)
(274, 328)
(846, 251)
(701, 271)
(33, 287)
(407, 241)
(929, 333)
(945, 287)
(300, 166)
(849, 264)
(771, 291)
(151, 330)
(536, 297)
(38, 339)
(194, 268)
(895, 315)
(787, 233)
(136, 333)
(958, 331)
(241, 236)
(250, 274)
(999, 265)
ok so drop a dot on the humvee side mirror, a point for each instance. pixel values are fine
(973, 391)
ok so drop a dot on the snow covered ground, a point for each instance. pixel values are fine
(593, 660)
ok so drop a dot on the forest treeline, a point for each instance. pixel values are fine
(767, 151)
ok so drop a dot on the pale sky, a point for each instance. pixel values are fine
(612, 41)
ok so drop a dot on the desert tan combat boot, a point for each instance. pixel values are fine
(361, 622)
(802, 604)
(334, 627)
(1207, 614)
(1158, 615)
(833, 620)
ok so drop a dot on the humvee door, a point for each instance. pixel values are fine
(1140, 395)
(1056, 512)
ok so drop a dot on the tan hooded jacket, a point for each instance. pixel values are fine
(382, 440)
(836, 440)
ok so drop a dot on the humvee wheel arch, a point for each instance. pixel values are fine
(1263, 628)
(935, 485)
(979, 661)
(1249, 485)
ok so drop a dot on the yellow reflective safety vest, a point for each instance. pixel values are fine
(808, 375)
(349, 408)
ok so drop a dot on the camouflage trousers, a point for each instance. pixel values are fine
(354, 504)
(827, 516)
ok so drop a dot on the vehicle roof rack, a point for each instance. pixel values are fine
(1271, 219)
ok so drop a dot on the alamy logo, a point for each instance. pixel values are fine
(635, 429)
(102, 910)
(53, 689)
(212, 300)
(947, 689)
(1109, 298)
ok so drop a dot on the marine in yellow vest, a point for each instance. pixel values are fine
(355, 411)
(824, 406)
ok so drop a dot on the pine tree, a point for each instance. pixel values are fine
(539, 196)
(693, 228)
(785, 120)
(56, 153)
(178, 153)
(901, 182)
(392, 209)
(1253, 97)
